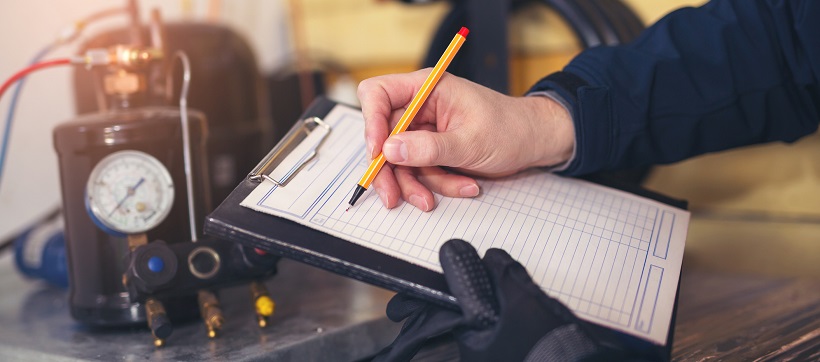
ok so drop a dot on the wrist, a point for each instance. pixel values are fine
(553, 133)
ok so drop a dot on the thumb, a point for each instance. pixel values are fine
(468, 281)
(424, 148)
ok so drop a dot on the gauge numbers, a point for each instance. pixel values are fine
(129, 192)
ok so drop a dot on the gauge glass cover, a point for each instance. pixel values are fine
(129, 192)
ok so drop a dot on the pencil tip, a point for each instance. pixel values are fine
(348, 208)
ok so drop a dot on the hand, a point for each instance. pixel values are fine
(462, 126)
(504, 316)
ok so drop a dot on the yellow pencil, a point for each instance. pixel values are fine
(412, 109)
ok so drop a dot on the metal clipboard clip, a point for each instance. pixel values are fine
(296, 149)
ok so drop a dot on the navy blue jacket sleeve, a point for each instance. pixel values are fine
(728, 74)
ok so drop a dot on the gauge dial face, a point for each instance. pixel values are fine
(129, 192)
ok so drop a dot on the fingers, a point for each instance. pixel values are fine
(466, 126)
(387, 187)
(412, 190)
(376, 108)
(508, 274)
(416, 186)
(425, 148)
(402, 306)
(501, 265)
(511, 278)
(498, 259)
(448, 184)
(379, 97)
(469, 282)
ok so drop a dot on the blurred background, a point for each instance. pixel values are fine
(755, 210)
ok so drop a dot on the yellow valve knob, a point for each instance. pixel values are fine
(265, 306)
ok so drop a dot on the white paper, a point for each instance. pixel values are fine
(612, 257)
(301, 154)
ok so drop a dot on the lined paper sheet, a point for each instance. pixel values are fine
(612, 257)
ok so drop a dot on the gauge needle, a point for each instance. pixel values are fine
(131, 191)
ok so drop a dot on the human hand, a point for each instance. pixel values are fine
(462, 126)
(504, 316)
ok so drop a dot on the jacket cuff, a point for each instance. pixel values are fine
(591, 111)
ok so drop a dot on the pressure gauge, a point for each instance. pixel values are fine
(129, 192)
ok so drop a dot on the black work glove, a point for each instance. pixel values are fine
(504, 316)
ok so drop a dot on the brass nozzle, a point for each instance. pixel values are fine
(263, 304)
(137, 240)
(211, 313)
(120, 55)
(135, 57)
(157, 321)
(261, 321)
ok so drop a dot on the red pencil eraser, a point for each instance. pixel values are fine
(464, 31)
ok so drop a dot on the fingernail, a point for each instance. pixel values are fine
(370, 146)
(469, 191)
(395, 150)
(382, 196)
(419, 202)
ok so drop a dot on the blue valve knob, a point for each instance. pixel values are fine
(155, 264)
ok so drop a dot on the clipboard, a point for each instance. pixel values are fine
(233, 222)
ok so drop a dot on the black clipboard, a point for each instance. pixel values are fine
(233, 222)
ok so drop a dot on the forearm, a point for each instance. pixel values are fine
(731, 73)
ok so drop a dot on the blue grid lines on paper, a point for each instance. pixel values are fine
(375, 232)
(601, 241)
(581, 244)
(617, 219)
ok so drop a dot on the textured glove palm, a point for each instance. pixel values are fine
(504, 315)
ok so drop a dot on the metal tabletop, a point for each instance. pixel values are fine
(319, 317)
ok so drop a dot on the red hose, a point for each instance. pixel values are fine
(25, 71)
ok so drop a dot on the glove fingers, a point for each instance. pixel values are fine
(469, 282)
(498, 259)
(503, 270)
(512, 278)
(402, 306)
(428, 322)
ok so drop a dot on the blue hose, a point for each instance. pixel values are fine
(12, 105)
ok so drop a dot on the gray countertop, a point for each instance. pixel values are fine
(325, 317)
(319, 317)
